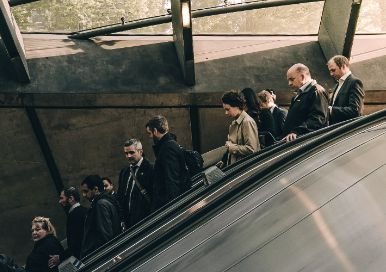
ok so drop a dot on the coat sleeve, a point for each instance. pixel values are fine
(148, 178)
(104, 225)
(281, 116)
(122, 183)
(172, 168)
(356, 96)
(266, 121)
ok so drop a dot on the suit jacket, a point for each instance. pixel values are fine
(349, 101)
(136, 208)
(308, 111)
(75, 225)
(267, 121)
(279, 116)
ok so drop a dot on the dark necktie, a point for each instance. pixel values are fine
(130, 181)
(133, 170)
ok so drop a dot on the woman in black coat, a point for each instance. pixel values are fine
(262, 117)
(46, 244)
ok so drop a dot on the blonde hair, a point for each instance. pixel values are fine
(265, 96)
(46, 224)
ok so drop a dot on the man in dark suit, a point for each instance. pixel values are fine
(309, 108)
(348, 96)
(69, 198)
(135, 197)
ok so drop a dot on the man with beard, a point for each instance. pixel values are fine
(69, 198)
(135, 185)
(102, 219)
(169, 168)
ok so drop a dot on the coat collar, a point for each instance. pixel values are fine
(241, 117)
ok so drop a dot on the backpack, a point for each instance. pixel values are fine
(193, 161)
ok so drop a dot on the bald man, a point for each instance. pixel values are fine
(309, 108)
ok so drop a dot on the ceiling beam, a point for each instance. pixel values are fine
(13, 43)
(183, 39)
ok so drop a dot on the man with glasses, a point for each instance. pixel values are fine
(135, 185)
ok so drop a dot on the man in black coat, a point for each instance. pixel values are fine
(76, 214)
(309, 108)
(348, 96)
(169, 169)
(135, 196)
(102, 220)
(69, 199)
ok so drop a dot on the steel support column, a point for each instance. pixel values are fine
(337, 27)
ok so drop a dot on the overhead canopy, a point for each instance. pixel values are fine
(12, 44)
(333, 39)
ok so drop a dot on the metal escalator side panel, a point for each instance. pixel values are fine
(191, 253)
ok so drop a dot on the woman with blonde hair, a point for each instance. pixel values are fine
(46, 244)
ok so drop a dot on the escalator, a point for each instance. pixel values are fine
(323, 210)
(180, 230)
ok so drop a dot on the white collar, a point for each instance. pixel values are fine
(73, 207)
(345, 76)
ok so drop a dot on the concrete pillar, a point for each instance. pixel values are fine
(12, 43)
(337, 27)
(182, 36)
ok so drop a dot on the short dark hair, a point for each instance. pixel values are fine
(340, 61)
(94, 180)
(108, 180)
(72, 192)
(271, 91)
(158, 122)
(234, 99)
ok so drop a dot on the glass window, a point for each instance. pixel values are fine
(74, 15)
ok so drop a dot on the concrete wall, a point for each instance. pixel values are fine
(26, 186)
(83, 142)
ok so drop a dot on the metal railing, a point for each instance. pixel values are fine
(167, 18)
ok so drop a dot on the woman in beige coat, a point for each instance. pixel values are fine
(243, 137)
